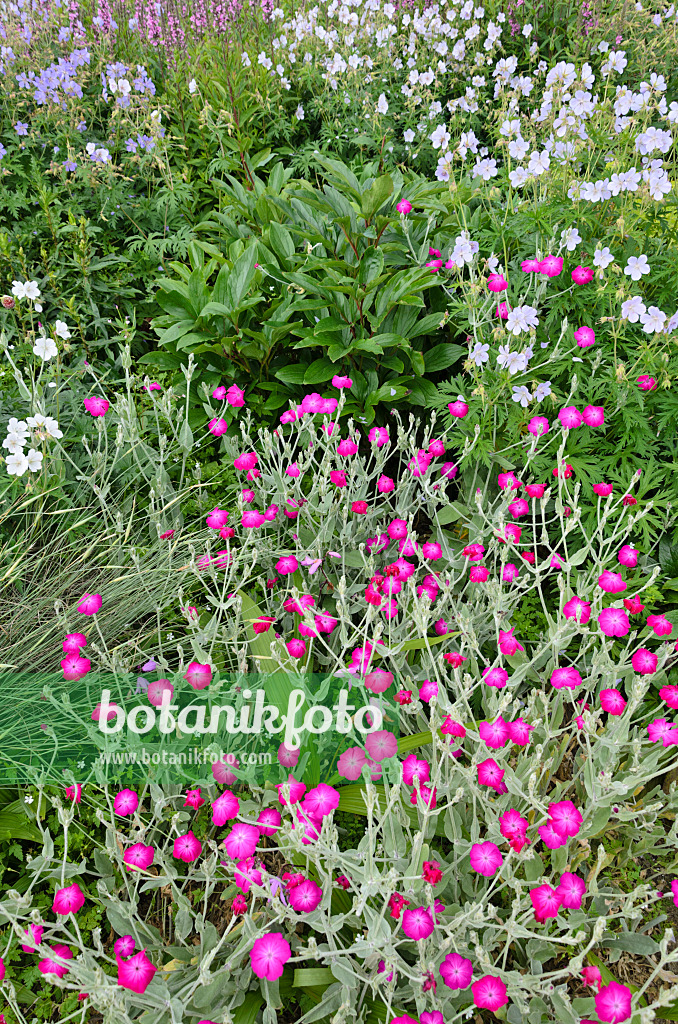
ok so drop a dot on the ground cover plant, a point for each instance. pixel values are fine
(337, 513)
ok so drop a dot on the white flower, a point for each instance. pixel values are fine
(440, 138)
(521, 318)
(636, 267)
(543, 390)
(516, 362)
(21, 426)
(192, 86)
(382, 104)
(479, 355)
(45, 348)
(409, 135)
(485, 169)
(632, 309)
(518, 148)
(34, 460)
(245, 58)
(25, 290)
(17, 464)
(653, 321)
(503, 355)
(570, 239)
(518, 177)
(15, 442)
(539, 162)
(299, 113)
(28, 799)
(602, 258)
(522, 394)
(61, 330)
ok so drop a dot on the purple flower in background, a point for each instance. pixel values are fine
(64, 34)
(21, 128)
(82, 127)
(70, 165)
(3, 151)
(131, 146)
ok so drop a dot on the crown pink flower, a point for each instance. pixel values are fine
(222, 770)
(431, 872)
(478, 574)
(474, 552)
(628, 556)
(565, 469)
(490, 774)
(646, 383)
(217, 518)
(124, 946)
(660, 625)
(111, 713)
(502, 311)
(418, 924)
(305, 897)
(489, 993)
(68, 900)
(381, 745)
(531, 266)
(126, 802)
(674, 891)
(546, 902)
(225, 807)
(565, 817)
(570, 417)
(571, 890)
(512, 826)
(551, 837)
(508, 644)
(496, 677)
(578, 610)
(494, 734)
(268, 956)
(497, 283)
(156, 692)
(611, 582)
(613, 1003)
(246, 874)
(458, 409)
(602, 490)
(519, 508)
(235, 396)
(75, 667)
(269, 821)
(614, 622)
(404, 206)
(96, 406)
(242, 840)
(658, 729)
(486, 858)
(246, 461)
(585, 337)
(350, 764)
(535, 491)
(644, 661)
(456, 971)
(217, 426)
(296, 647)
(138, 856)
(519, 732)
(612, 701)
(135, 974)
(551, 266)
(34, 933)
(427, 691)
(219, 393)
(74, 642)
(89, 604)
(449, 470)
(187, 847)
(591, 976)
(669, 694)
(286, 565)
(52, 965)
(193, 799)
(594, 415)
(74, 793)
(582, 275)
(321, 800)
(347, 447)
(414, 767)
(508, 480)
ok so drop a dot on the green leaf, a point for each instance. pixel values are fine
(442, 356)
(292, 374)
(371, 265)
(376, 196)
(281, 241)
(312, 977)
(14, 823)
(247, 1012)
(240, 277)
(319, 371)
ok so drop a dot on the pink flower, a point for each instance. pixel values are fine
(75, 667)
(570, 417)
(456, 971)
(531, 266)
(490, 774)
(565, 817)
(198, 676)
(633, 604)
(502, 311)
(497, 283)
(669, 694)
(156, 691)
(508, 644)
(124, 946)
(646, 383)
(582, 275)
(458, 409)
(551, 837)
(614, 622)
(538, 425)
(512, 826)
(222, 772)
(660, 625)
(658, 729)
(187, 847)
(571, 890)
(268, 956)
(321, 800)
(414, 767)
(193, 799)
(34, 933)
(508, 480)
(89, 604)
(296, 647)
(51, 965)
(378, 436)
(519, 508)
(431, 872)
(613, 1003)
(96, 406)
(286, 565)
(385, 485)
(74, 793)
(225, 807)
(478, 574)
(404, 206)
(347, 447)
(449, 470)
(585, 337)
(418, 923)
(269, 821)
(602, 490)
(510, 572)
(217, 426)
(628, 556)
(73, 642)
(494, 734)
(496, 677)
(486, 859)
(432, 551)
(578, 610)
(381, 745)
(235, 396)
(644, 662)
(242, 840)
(594, 415)
(611, 582)
(551, 266)
(68, 900)
(246, 461)
(137, 973)
(674, 891)
(126, 802)
(546, 902)
(591, 976)
(489, 993)
(519, 732)
(535, 491)
(612, 701)
(138, 856)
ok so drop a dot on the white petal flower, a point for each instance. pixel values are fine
(17, 464)
(45, 348)
(34, 460)
(61, 330)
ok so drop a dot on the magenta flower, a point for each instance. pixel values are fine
(242, 840)
(137, 973)
(519, 732)
(381, 745)
(582, 275)
(497, 283)
(611, 582)
(489, 993)
(602, 490)
(612, 701)
(660, 625)
(496, 676)
(585, 337)
(219, 393)
(578, 610)
(96, 406)
(519, 508)
(124, 946)
(138, 856)
(502, 311)
(246, 461)
(187, 847)
(490, 774)
(566, 677)
(156, 692)
(508, 644)
(478, 574)
(644, 661)
(458, 409)
(570, 417)
(217, 426)
(198, 676)
(414, 767)
(52, 964)
(594, 415)
(449, 470)
(614, 622)
(225, 807)
(75, 667)
(628, 556)
(73, 642)
(305, 896)
(551, 837)
(222, 770)
(591, 976)
(34, 933)
(551, 266)
(126, 802)
(268, 956)
(486, 859)
(68, 900)
(669, 694)
(350, 764)
(427, 691)
(217, 518)
(89, 604)
(286, 565)
(546, 902)
(508, 480)
(613, 1003)
(571, 890)
(456, 971)
(235, 396)
(494, 734)
(646, 383)
(531, 266)
(321, 800)
(538, 425)
(385, 485)
(404, 206)
(347, 447)
(659, 729)
(296, 647)
(418, 924)
(565, 818)
(269, 821)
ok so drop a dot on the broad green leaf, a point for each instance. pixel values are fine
(247, 1012)
(443, 356)
(376, 196)
(240, 277)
